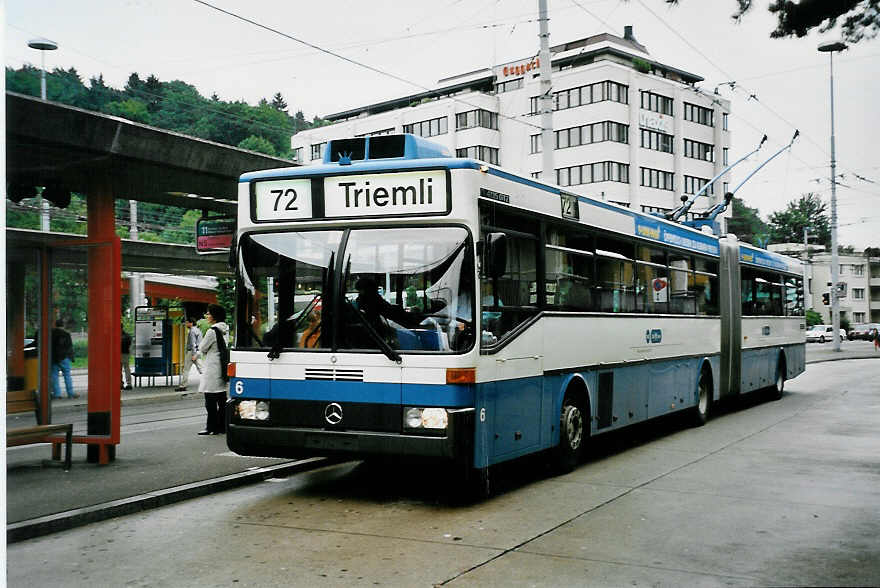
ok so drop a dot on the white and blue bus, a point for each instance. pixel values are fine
(396, 301)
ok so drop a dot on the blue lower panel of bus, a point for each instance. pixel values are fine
(522, 415)
(444, 395)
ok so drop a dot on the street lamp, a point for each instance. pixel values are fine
(830, 49)
(43, 45)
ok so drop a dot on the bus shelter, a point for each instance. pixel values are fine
(65, 149)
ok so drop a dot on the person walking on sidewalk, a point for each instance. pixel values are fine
(125, 360)
(212, 384)
(191, 353)
(62, 355)
(876, 339)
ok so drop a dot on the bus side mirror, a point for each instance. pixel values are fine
(496, 254)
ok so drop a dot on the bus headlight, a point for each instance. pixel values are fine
(425, 418)
(253, 410)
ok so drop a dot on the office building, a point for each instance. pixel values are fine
(628, 129)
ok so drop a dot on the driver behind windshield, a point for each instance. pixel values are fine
(375, 308)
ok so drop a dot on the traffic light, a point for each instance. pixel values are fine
(826, 298)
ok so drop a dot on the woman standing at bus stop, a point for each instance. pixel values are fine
(212, 384)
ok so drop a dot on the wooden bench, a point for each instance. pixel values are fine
(19, 401)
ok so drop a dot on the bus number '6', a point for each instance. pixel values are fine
(289, 193)
(239, 387)
(482, 415)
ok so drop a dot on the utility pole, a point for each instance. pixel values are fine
(830, 48)
(546, 100)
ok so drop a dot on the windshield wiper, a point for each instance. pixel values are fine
(383, 345)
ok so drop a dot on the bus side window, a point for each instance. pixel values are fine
(706, 287)
(510, 299)
(615, 275)
(568, 276)
(682, 285)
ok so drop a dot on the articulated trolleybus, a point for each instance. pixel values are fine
(395, 301)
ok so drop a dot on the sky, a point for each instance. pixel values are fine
(402, 48)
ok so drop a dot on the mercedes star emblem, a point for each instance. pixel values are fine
(333, 413)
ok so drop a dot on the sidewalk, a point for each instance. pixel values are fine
(173, 464)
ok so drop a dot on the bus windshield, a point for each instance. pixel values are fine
(398, 289)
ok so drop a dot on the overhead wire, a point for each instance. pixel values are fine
(349, 60)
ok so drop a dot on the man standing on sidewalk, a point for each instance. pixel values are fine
(62, 354)
(191, 354)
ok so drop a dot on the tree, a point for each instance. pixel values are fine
(745, 223)
(808, 211)
(258, 144)
(132, 109)
(860, 18)
(278, 102)
(813, 318)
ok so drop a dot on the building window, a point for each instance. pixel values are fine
(536, 175)
(858, 317)
(481, 152)
(858, 270)
(724, 116)
(693, 185)
(656, 102)
(317, 150)
(858, 293)
(574, 97)
(590, 173)
(841, 270)
(377, 133)
(297, 154)
(724, 152)
(427, 128)
(508, 86)
(697, 150)
(657, 141)
(592, 133)
(699, 114)
(535, 144)
(656, 178)
(476, 118)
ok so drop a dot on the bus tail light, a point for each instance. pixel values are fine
(230, 369)
(461, 375)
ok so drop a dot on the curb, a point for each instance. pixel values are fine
(824, 359)
(78, 517)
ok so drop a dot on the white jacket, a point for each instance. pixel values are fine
(212, 377)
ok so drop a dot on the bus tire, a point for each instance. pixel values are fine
(573, 433)
(778, 388)
(700, 413)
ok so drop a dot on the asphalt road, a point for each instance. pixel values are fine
(776, 493)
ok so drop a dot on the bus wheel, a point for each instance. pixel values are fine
(778, 387)
(572, 435)
(704, 399)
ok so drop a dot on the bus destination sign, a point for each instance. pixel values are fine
(278, 200)
(401, 193)
(214, 235)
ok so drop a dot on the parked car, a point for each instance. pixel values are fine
(862, 331)
(823, 333)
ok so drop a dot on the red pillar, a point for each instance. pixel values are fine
(105, 266)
